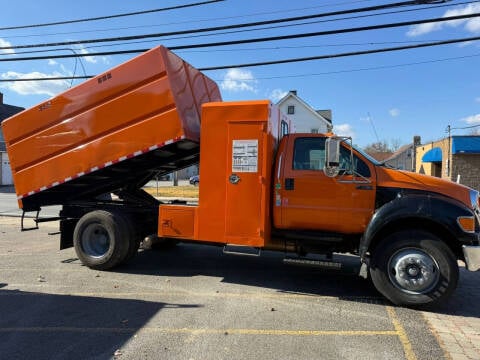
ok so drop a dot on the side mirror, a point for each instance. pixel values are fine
(332, 157)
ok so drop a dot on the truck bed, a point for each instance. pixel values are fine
(113, 131)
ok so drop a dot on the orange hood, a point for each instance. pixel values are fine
(404, 179)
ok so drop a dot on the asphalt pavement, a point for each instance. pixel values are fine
(194, 302)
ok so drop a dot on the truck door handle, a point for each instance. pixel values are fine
(364, 187)
(289, 184)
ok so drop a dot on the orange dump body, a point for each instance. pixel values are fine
(238, 143)
(110, 131)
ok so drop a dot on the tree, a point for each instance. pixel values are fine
(378, 147)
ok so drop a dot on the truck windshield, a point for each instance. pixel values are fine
(365, 155)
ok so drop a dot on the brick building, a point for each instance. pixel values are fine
(456, 158)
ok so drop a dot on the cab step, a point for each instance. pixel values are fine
(326, 264)
(241, 250)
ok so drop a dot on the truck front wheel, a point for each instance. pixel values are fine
(102, 239)
(414, 268)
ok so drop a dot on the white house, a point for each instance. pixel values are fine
(305, 118)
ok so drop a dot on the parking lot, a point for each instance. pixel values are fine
(194, 302)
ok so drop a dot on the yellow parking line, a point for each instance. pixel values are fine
(400, 330)
(273, 332)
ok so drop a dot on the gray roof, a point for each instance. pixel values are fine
(8, 110)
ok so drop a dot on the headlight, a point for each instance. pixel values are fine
(474, 198)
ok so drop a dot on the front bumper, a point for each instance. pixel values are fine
(472, 257)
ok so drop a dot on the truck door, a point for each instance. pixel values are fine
(246, 188)
(313, 201)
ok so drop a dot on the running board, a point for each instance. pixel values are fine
(311, 262)
(232, 249)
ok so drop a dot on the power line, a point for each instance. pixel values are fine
(273, 27)
(369, 68)
(265, 39)
(256, 49)
(347, 54)
(236, 26)
(110, 16)
(276, 77)
(323, 57)
(327, 32)
(48, 78)
(190, 21)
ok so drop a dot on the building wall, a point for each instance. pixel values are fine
(467, 166)
(304, 120)
(463, 167)
(5, 171)
(433, 169)
(403, 161)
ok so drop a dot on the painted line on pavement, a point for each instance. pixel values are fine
(402, 334)
(273, 332)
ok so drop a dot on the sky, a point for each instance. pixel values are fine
(388, 96)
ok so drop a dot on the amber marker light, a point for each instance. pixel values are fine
(467, 223)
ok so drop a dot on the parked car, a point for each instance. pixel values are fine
(194, 180)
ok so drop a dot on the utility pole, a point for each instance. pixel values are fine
(449, 131)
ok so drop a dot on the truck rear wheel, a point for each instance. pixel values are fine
(102, 239)
(414, 268)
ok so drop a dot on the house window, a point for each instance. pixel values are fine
(291, 109)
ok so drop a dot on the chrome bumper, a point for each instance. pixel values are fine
(472, 257)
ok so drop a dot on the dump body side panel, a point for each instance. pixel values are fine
(136, 108)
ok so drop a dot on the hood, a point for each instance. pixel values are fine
(408, 180)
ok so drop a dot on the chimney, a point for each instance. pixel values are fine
(294, 92)
(417, 140)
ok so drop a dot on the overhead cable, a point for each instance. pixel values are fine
(283, 61)
(191, 21)
(268, 27)
(373, 68)
(48, 78)
(235, 26)
(253, 40)
(347, 54)
(110, 16)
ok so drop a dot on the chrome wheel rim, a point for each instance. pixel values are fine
(95, 240)
(413, 271)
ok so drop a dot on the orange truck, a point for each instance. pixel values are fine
(262, 187)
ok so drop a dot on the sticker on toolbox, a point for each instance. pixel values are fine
(245, 155)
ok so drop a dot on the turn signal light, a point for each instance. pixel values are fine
(467, 223)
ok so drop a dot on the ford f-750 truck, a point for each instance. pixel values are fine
(262, 187)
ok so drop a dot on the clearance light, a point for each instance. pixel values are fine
(467, 223)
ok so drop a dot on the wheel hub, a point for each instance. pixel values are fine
(95, 240)
(413, 271)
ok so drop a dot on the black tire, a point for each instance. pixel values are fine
(133, 239)
(102, 239)
(414, 268)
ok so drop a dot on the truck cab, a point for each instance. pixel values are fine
(409, 229)
(308, 197)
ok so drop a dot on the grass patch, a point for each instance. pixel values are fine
(188, 191)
